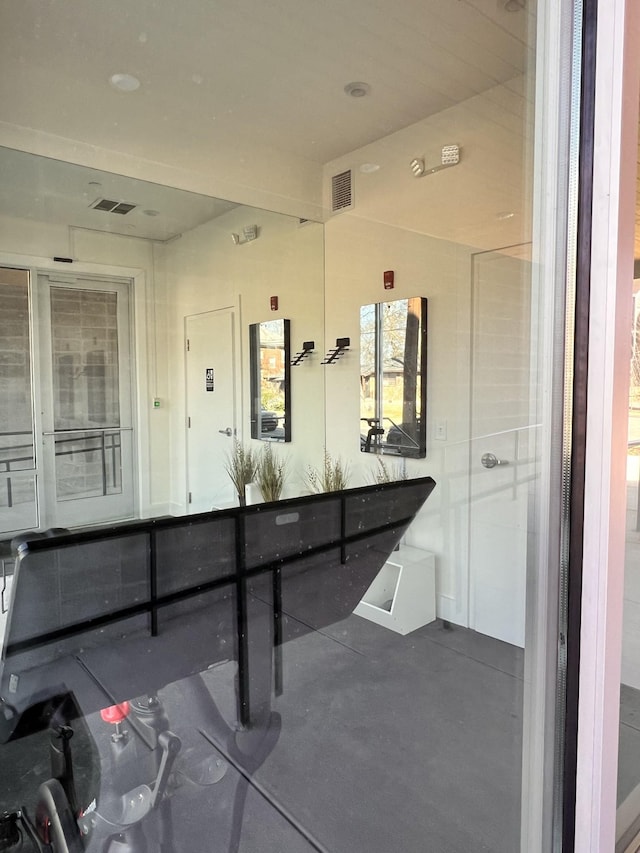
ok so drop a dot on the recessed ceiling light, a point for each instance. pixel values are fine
(151, 212)
(124, 82)
(357, 90)
(368, 168)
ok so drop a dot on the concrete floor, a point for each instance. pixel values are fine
(401, 743)
(387, 743)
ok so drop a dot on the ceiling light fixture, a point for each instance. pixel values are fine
(124, 82)
(449, 156)
(357, 89)
(250, 233)
(368, 168)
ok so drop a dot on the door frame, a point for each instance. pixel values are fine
(140, 327)
(76, 512)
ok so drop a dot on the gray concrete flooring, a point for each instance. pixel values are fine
(401, 743)
(387, 744)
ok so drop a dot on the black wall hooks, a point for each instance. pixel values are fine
(307, 349)
(342, 345)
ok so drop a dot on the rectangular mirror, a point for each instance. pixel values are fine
(393, 377)
(270, 360)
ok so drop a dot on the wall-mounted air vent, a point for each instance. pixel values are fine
(341, 192)
(109, 206)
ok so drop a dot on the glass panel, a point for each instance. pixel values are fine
(84, 342)
(16, 411)
(628, 822)
(88, 464)
(339, 672)
(84, 336)
(18, 507)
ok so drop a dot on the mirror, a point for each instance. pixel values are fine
(187, 292)
(393, 377)
(270, 374)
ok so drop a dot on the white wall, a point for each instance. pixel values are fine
(357, 253)
(205, 271)
(426, 230)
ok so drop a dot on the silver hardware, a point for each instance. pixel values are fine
(490, 460)
(98, 430)
(227, 431)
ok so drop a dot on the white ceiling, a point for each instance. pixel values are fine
(215, 70)
(45, 190)
(259, 78)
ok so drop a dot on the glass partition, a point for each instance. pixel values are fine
(172, 297)
(365, 669)
(628, 794)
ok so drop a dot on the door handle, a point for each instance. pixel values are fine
(227, 431)
(490, 460)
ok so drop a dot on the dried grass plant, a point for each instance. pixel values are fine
(241, 467)
(333, 476)
(389, 473)
(270, 474)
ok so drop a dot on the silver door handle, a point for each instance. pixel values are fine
(227, 431)
(490, 460)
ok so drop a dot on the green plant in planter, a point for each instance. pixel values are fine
(241, 467)
(333, 477)
(389, 473)
(270, 474)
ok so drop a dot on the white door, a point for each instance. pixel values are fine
(502, 442)
(85, 392)
(211, 408)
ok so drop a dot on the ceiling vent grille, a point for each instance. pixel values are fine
(108, 206)
(341, 192)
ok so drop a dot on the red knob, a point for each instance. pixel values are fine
(115, 713)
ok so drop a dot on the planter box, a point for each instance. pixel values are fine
(403, 595)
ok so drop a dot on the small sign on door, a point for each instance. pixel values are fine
(209, 379)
